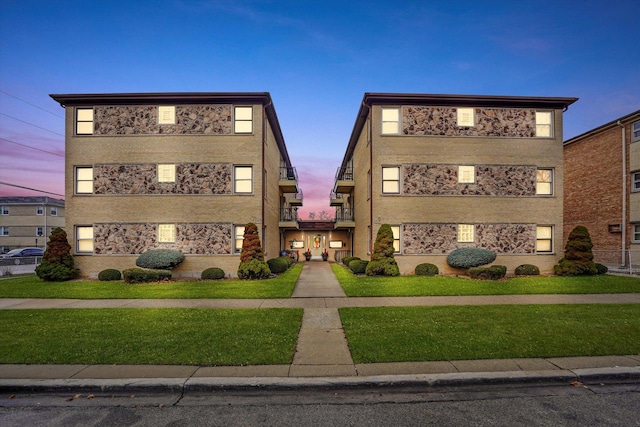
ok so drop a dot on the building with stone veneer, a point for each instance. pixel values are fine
(184, 171)
(602, 189)
(451, 171)
(28, 221)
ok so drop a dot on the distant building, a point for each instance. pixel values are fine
(452, 171)
(28, 221)
(602, 189)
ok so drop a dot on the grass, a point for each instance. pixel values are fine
(400, 334)
(149, 336)
(364, 286)
(32, 287)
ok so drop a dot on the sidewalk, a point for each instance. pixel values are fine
(322, 358)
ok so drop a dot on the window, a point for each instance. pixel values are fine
(466, 233)
(635, 181)
(166, 173)
(54, 211)
(166, 233)
(396, 238)
(243, 120)
(84, 180)
(166, 115)
(4, 210)
(39, 210)
(391, 180)
(239, 238)
(543, 124)
(635, 131)
(544, 239)
(39, 231)
(243, 180)
(4, 231)
(391, 121)
(466, 117)
(635, 233)
(466, 174)
(544, 181)
(84, 121)
(84, 239)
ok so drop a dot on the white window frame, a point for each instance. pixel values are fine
(395, 229)
(388, 180)
(541, 184)
(635, 181)
(39, 210)
(238, 238)
(635, 131)
(84, 121)
(84, 239)
(544, 124)
(166, 172)
(466, 233)
(166, 233)
(635, 233)
(390, 121)
(54, 211)
(166, 115)
(4, 210)
(39, 231)
(238, 181)
(4, 231)
(84, 182)
(547, 237)
(243, 122)
(466, 117)
(466, 174)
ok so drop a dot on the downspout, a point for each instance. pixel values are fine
(370, 183)
(264, 184)
(624, 196)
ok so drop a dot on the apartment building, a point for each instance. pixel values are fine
(28, 221)
(184, 171)
(451, 171)
(602, 189)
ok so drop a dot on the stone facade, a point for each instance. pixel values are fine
(143, 120)
(491, 180)
(191, 178)
(493, 122)
(191, 239)
(441, 239)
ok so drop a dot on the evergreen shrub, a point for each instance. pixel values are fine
(427, 269)
(57, 262)
(160, 259)
(110, 274)
(578, 257)
(213, 273)
(470, 257)
(252, 265)
(601, 268)
(278, 265)
(346, 260)
(382, 261)
(358, 266)
(527, 270)
(140, 275)
(495, 272)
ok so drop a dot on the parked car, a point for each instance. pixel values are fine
(23, 252)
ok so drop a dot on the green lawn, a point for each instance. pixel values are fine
(32, 287)
(399, 334)
(149, 336)
(364, 286)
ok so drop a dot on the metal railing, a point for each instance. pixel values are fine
(344, 173)
(288, 174)
(619, 261)
(334, 195)
(341, 253)
(344, 214)
(21, 260)
(296, 196)
(288, 214)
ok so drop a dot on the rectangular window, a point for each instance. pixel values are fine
(243, 180)
(39, 231)
(391, 121)
(84, 121)
(635, 131)
(391, 180)
(4, 210)
(466, 117)
(166, 173)
(466, 233)
(466, 174)
(239, 238)
(39, 210)
(396, 238)
(544, 181)
(543, 124)
(54, 211)
(4, 231)
(84, 239)
(635, 235)
(166, 115)
(84, 180)
(166, 233)
(243, 120)
(635, 181)
(544, 239)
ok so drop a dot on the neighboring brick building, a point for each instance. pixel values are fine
(602, 188)
(450, 171)
(28, 221)
(184, 171)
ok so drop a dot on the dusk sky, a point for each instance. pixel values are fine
(316, 58)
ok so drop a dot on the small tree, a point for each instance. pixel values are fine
(252, 264)
(57, 262)
(382, 261)
(578, 257)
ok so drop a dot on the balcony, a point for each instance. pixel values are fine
(344, 218)
(344, 180)
(336, 199)
(288, 180)
(288, 218)
(295, 199)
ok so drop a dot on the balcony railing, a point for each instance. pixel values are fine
(288, 174)
(288, 214)
(344, 173)
(296, 199)
(345, 214)
(333, 195)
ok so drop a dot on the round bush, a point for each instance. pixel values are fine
(140, 275)
(254, 269)
(278, 265)
(213, 273)
(527, 270)
(470, 257)
(495, 272)
(358, 266)
(346, 260)
(427, 269)
(109, 274)
(160, 259)
(602, 269)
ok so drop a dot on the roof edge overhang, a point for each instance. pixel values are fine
(629, 118)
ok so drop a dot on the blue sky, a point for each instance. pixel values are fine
(316, 58)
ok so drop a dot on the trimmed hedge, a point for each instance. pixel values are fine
(358, 266)
(602, 269)
(346, 260)
(278, 265)
(213, 273)
(109, 275)
(160, 259)
(495, 272)
(254, 269)
(139, 275)
(470, 257)
(527, 270)
(427, 269)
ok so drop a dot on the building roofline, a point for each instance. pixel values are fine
(30, 200)
(614, 123)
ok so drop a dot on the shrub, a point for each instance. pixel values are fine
(346, 260)
(470, 257)
(213, 273)
(495, 272)
(427, 269)
(254, 269)
(601, 268)
(358, 266)
(578, 258)
(109, 275)
(527, 270)
(140, 275)
(57, 262)
(252, 265)
(382, 261)
(278, 265)
(160, 259)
